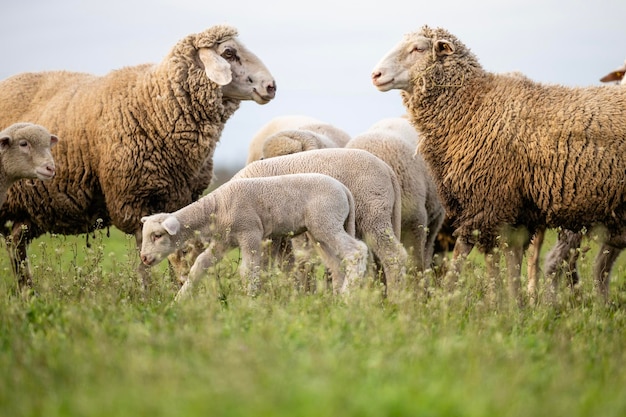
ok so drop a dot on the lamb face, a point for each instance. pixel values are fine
(157, 234)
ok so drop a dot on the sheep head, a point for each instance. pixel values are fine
(615, 75)
(158, 237)
(427, 63)
(228, 63)
(25, 152)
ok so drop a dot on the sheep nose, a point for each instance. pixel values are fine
(144, 259)
(271, 89)
(376, 75)
(51, 169)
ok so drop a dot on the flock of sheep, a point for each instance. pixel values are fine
(498, 157)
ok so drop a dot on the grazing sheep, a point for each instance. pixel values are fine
(376, 192)
(25, 153)
(244, 212)
(318, 135)
(508, 152)
(138, 140)
(394, 141)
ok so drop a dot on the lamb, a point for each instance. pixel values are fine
(510, 153)
(312, 134)
(376, 193)
(25, 153)
(394, 140)
(137, 140)
(244, 212)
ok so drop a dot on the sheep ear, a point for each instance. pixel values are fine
(5, 142)
(171, 225)
(143, 219)
(443, 47)
(215, 67)
(53, 140)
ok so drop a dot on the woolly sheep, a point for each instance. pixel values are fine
(244, 212)
(25, 153)
(394, 140)
(376, 193)
(507, 152)
(564, 254)
(138, 140)
(314, 134)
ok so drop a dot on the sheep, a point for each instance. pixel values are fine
(506, 153)
(376, 192)
(244, 212)
(393, 140)
(564, 254)
(137, 140)
(25, 153)
(318, 134)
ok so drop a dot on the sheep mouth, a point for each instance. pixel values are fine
(45, 175)
(261, 99)
(383, 85)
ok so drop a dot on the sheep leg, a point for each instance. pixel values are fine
(433, 229)
(460, 253)
(415, 237)
(391, 255)
(346, 258)
(143, 271)
(607, 255)
(16, 246)
(250, 267)
(203, 262)
(514, 255)
(534, 253)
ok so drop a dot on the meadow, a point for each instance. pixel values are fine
(90, 341)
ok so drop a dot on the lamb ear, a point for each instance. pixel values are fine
(5, 142)
(171, 225)
(53, 140)
(443, 47)
(215, 67)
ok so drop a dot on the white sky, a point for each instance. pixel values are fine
(320, 52)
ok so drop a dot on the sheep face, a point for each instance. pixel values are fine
(414, 53)
(25, 152)
(158, 237)
(241, 74)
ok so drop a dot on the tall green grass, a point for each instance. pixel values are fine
(92, 342)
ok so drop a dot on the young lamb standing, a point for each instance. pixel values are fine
(243, 212)
(376, 193)
(25, 153)
(394, 141)
(138, 140)
(507, 152)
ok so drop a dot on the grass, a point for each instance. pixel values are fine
(93, 343)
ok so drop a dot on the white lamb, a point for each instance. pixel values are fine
(394, 140)
(244, 212)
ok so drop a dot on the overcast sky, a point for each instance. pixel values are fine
(320, 52)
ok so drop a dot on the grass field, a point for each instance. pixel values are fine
(92, 343)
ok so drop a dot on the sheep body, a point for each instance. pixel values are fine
(394, 141)
(506, 150)
(243, 212)
(25, 153)
(137, 140)
(314, 134)
(376, 193)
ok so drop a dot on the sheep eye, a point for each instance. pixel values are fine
(417, 49)
(156, 236)
(229, 54)
(23, 144)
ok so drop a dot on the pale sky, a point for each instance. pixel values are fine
(321, 53)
